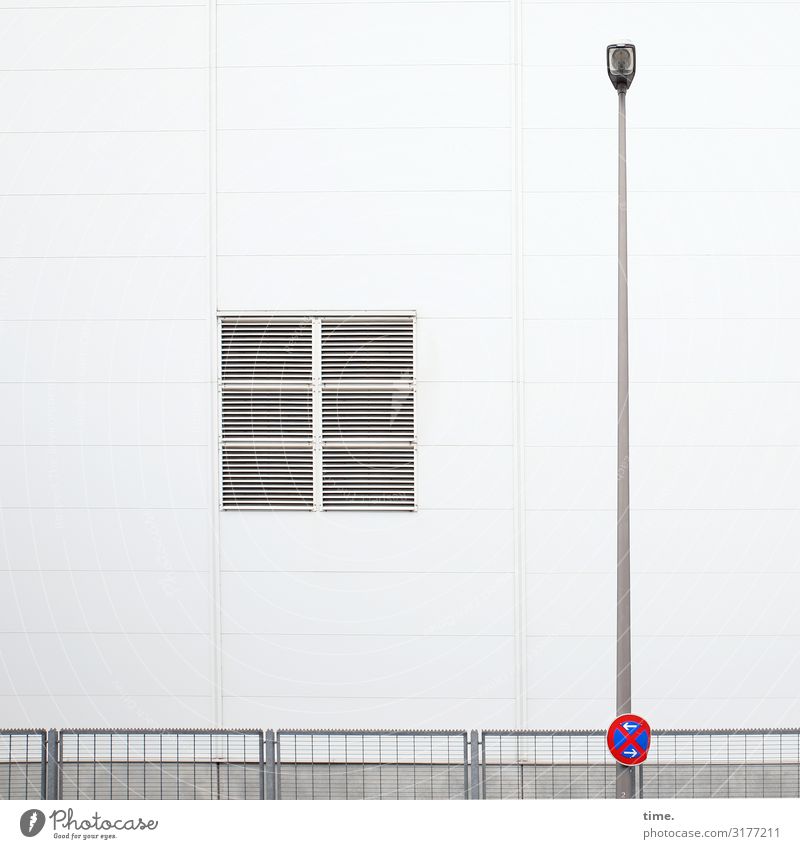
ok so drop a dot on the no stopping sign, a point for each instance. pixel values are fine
(628, 739)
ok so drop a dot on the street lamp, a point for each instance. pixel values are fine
(621, 61)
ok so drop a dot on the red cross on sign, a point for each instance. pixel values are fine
(628, 739)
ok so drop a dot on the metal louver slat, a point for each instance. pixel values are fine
(267, 477)
(367, 349)
(266, 349)
(377, 477)
(266, 414)
(368, 415)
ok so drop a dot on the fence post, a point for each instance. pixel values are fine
(269, 765)
(475, 765)
(53, 766)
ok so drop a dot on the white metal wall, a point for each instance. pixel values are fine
(714, 361)
(455, 158)
(105, 487)
(371, 170)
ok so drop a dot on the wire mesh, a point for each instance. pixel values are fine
(692, 764)
(161, 764)
(735, 764)
(547, 765)
(372, 764)
(23, 764)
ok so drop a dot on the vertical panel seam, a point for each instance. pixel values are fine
(518, 366)
(316, 408)
(215, 577)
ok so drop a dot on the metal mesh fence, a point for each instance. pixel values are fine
(760, 763)
(371, 764)
(547, 765)
(23, 764)
(161, 764)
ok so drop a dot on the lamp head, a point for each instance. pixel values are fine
(621, 63)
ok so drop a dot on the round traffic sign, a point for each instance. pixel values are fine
(628, 739)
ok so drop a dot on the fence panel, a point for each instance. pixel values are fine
(161, 764)
(362, 764)
(743, 764)
(547, 765)
(23, 764)
(692, 764)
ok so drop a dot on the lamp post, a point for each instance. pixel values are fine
(621, 61)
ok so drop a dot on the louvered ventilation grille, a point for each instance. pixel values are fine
(260, 476)
(266, 414)
(266, 350)
(317, 413)
(364, 477)
(368, 415)
(367, 350)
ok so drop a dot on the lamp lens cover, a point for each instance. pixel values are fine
(621, 60)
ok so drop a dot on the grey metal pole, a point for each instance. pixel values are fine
(475, 765)
(625, 774)
(53, 782)
(269, 766)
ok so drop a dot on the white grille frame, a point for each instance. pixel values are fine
(391, 386)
